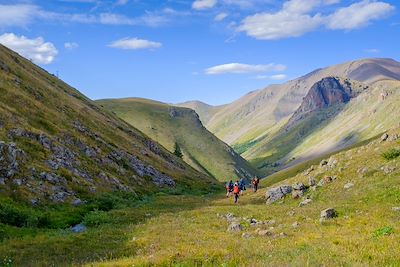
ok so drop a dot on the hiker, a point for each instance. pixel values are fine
(242, 185)
(236, 191)
(255, 182)
(229, 188)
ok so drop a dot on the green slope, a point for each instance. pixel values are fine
(59, 146)
(171, 125)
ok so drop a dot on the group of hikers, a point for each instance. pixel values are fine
(239, 186)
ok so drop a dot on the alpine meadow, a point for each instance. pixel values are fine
(199, 133)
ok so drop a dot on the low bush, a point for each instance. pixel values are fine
(391, 154)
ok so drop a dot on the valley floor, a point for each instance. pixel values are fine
(192, 231)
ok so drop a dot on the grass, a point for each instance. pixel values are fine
(199, 148)
(182, 230)
(298, 168)
(39, 103)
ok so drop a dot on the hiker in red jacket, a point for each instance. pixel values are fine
(236, 191)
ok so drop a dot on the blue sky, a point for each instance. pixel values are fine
(209, 50)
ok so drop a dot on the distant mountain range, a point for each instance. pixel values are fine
(349, 102)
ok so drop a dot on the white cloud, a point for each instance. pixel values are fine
(203, 4)
(272, 77)
(220, 16)
(298, 17)
(278, 77)
(37, 50)
(71, 45)
(266, 26)
(17, 15)
(134, 44)
(115, 19)
(243, 68)
(358, 15)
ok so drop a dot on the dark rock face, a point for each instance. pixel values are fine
(323, 94)
(10, 156)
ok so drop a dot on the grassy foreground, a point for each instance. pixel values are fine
(191, 231)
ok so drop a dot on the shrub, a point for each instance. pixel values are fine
(96, 217)
(15, 216)
(391, 154)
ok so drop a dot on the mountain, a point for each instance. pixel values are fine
(205, 111)
(252, 124)
(56, 145)
(174, 127)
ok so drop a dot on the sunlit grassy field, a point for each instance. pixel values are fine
(191, 231)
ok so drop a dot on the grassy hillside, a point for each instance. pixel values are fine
(62, 157)
(175, 126)
(190, 231)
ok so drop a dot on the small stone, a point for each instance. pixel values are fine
(76, 202)
(323, 163)
(283, 234)
(246, 235)
(235, 227)
(397, 209)
(265, 233)
(348, 185)
(328, 214)
(297, 194)
(305, 202)
(270, 222)
(384, 137)
(291, 213)
(312, 181)
(388, 169)
(295, 225)
(79, 228)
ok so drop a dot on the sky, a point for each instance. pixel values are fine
(214, 51)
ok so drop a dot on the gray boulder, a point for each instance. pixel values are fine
(327, 214)
(277, 193)
(235, 227)
(79, 228)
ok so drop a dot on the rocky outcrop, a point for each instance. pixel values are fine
(298, 190)
(277, 193)
(10, 158)
(323, 94)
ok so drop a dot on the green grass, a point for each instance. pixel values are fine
(198, 147)
(182, 230)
